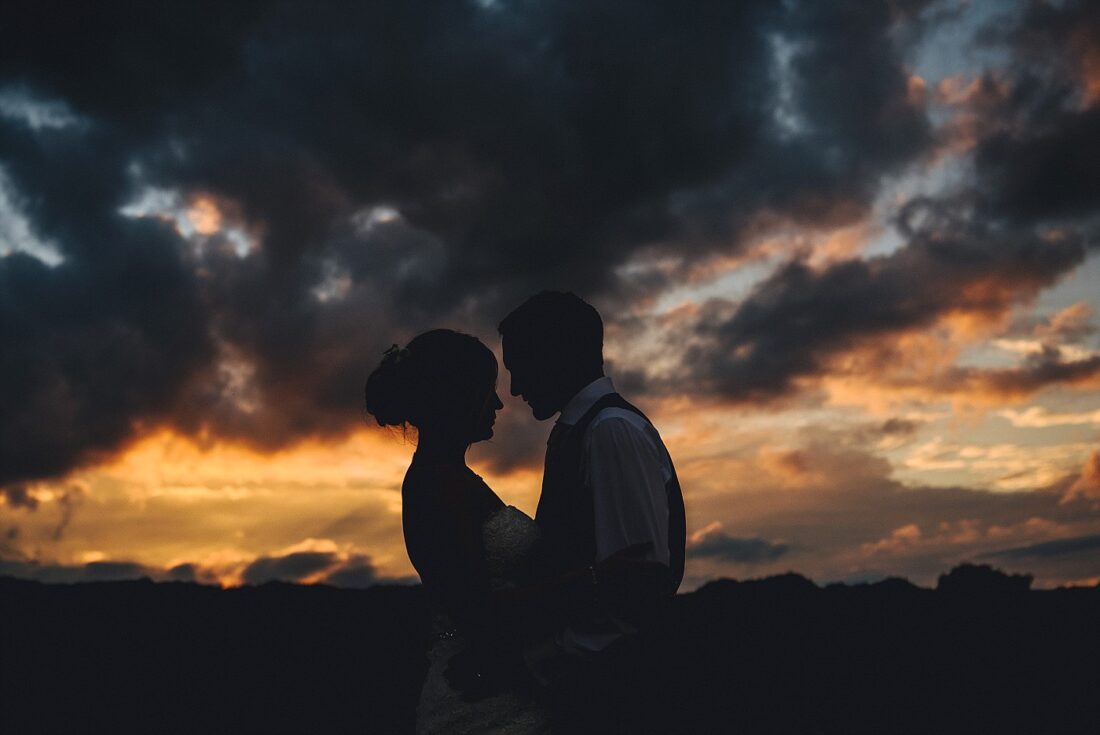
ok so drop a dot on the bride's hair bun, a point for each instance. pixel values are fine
(388, 393)
(440, 375)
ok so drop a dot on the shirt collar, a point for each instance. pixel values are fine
(579, 404)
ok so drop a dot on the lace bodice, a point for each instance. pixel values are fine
(509, 536)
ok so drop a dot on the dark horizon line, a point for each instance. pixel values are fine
(963, 575)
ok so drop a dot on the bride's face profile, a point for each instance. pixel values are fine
(484, 428)
(443, 383)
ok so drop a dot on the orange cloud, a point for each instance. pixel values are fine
(204, 215)
(975, 104)
(1085, 42)
(922, 365)
(901, 538)
(1072, 321)
(916, 90)
(1091, 74)
(167, 463)
(1087, 485)
(962, 535)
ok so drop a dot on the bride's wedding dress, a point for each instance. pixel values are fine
(509, 537)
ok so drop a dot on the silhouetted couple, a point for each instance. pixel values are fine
(537, 622)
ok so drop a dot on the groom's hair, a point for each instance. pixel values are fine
(557, 323)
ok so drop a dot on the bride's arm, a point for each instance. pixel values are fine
(443, 537)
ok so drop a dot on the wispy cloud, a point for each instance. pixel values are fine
(1039, 417)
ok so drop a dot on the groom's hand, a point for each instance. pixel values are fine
(626, 582)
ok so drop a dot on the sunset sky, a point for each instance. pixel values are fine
(847, 254)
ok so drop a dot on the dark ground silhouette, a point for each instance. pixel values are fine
(980, 654)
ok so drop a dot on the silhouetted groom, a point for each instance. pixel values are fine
(609, 484)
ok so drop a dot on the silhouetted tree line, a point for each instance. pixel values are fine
(980, 653)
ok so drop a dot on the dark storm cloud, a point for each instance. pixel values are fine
(19, 496)
(185, 572)
(839, 115)
(1038, 130)
(898, 427)
(105, 339)
(796, 320)
(8, 548)
(66, 502)
(895, 431)
(718, 544)
(1060, 547)
(1045, 173)
(97, 571)
(1071, 325)
(1037, 163)
(105, 571)
(519, 145)
(1036, 373)
(289, 568)
(356, 572)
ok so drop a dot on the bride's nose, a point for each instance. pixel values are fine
(497, 403)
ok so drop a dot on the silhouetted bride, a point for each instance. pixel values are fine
(466, 544)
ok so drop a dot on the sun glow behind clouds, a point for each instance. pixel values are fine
(168, 500)
(204, 216)
(196, 218)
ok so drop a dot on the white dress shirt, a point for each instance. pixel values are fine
(625, 464)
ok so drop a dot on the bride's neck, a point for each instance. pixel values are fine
(432, 447)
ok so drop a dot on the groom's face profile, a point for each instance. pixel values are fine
(533, 380)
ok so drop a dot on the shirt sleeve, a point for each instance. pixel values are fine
(626, 467)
